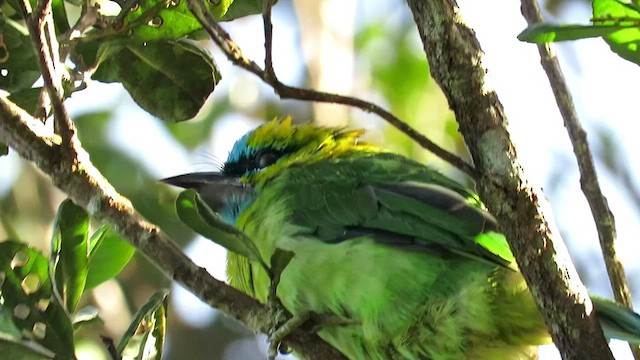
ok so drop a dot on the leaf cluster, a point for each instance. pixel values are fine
(616, 21)
(148, 46)
(39, 313)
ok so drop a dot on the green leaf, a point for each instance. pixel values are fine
(18, 66)
(84, 52)
(15, 5)
(543, 32)
(69, 252)
(279, 261)
(199, 217)
(28, 295)
(169, 79)
(4, 149)
(108, 255)
(148, 326)
(614, 11)
(27, 99)
(88, 315)
(14, 347)
(59, 16)
(242, 8)
(152, 20)
(617, 22)
(626, 42)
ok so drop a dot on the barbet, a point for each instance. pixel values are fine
(408, 258)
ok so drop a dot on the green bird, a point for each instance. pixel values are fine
(409, 261)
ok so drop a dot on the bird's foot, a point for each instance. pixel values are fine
(280, 332)
(320, 322)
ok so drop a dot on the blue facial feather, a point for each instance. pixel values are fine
(241, 149)
(234, 207)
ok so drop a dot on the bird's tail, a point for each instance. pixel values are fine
(617, 321)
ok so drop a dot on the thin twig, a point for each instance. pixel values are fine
(41, 30)
(602, 215)
(268, 40)
(235, 55)
(75, 175)
(110, 346)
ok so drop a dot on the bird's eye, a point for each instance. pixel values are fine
(266, 158)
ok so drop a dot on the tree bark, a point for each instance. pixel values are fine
(455, 59)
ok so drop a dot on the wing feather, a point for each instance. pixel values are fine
(395, 201)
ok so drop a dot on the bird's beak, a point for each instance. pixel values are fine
(214, 188)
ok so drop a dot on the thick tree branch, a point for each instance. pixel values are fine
(602, 215)
(72, 172)
(455, 57)
(234, 54)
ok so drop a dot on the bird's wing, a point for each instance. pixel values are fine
(395, 201)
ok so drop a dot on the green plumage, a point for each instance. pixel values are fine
(408, 258)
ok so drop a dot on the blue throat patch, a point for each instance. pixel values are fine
(234, 207)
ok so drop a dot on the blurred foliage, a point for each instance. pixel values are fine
(555, 6)
(144, 47)
(17, 59)
(40, 295)
(398, 69)
(144, 338)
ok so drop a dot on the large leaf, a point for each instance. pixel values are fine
(144, 338)
(18, 66)
(28, 295)
(169, 79)
(60, 21)
(626, 42)
(108, 255)
(543, 32)
(199, 217)
(27, 99)
(69, 252)
(616, 21)
(152, 20)
(242, 8)
(14, 345)
(86, 316)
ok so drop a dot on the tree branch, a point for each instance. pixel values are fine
(71, 170)
(268, 76)
(42, 32)
(602, 215)
(455, 57)
(268, 41)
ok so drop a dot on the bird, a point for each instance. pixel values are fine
(408, 261)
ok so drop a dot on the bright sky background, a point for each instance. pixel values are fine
(601, 83)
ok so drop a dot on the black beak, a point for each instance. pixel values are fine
(214, 188)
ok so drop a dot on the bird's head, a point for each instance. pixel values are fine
(264, 153)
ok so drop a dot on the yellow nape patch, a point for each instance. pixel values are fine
(276, 127)
(282, 133)
(305, 143)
